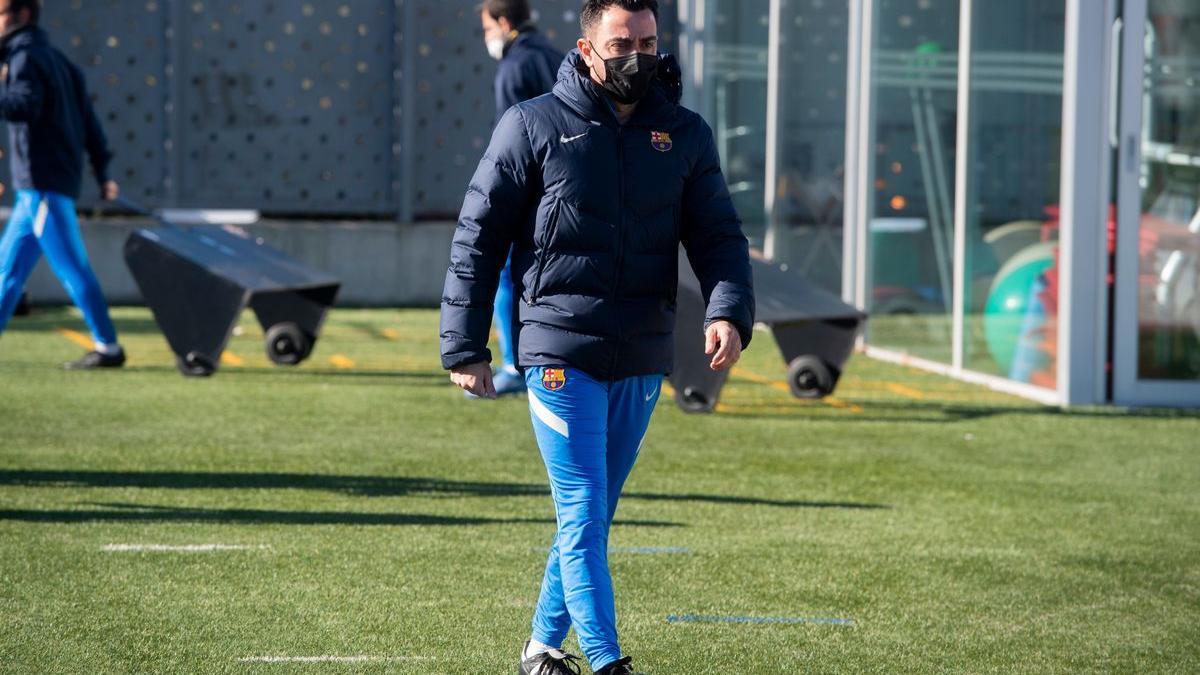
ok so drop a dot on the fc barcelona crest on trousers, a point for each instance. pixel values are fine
(554, 379)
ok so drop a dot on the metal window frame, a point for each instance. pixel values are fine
(773, 247)
(962, 178)
(1084, 196)
(860, 134)
(851, 238)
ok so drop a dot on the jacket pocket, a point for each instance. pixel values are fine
(543, 248)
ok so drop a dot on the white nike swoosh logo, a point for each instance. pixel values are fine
(565, 139)
(651, 395)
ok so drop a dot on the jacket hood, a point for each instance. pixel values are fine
(576, 88)
(26, 35)
(528, 36)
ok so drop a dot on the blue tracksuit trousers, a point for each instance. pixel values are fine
(503, 315)
(589, 433)
(45, 222)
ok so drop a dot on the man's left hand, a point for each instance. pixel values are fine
(724, 344)
(110, 190)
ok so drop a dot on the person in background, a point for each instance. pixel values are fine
(45, 102)
(528, 68)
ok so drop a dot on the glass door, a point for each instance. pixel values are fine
(1157, 320)
(1010, 255)
(734, 65)
(909, 210)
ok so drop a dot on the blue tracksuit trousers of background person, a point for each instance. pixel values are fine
(503, 315)
(590, 433)
(45, 222)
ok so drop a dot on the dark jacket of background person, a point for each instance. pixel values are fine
(529, 69)
(595, 213)
(50, 118)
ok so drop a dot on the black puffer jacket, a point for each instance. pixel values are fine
(529, 69)
(50, 117)
(595, 211)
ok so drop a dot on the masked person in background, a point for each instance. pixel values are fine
(593, 189)
(51, 122)
(528, 68)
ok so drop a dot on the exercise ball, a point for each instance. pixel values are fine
(1010, 298)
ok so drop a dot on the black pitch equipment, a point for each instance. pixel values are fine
(197, 280)
(24, 306)
(814, 329)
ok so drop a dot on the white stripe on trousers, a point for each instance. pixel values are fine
(39, 221)
(548, 417)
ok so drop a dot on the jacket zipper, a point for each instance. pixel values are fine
(551, 226)
(620, 241)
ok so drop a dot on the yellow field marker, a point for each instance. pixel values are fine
(761, 409)
(904, 390)
(76, 337)
(391, 334)
(841, 405)
(341, 361)
(228, 358)
(759, 379)
(781, 386)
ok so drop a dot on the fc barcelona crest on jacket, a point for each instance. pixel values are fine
(660, 141)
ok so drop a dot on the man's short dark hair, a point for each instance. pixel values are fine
(516, 11)
(594, 9)
(34, 7)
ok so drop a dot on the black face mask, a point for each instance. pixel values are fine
(627, 78)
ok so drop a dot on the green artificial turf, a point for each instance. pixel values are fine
(386, 517)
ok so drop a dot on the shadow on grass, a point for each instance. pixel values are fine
(932, 412)
(406, 377)
(372, 486)
(411, 377)
(371, 330)
(108, 512)
(47, 319)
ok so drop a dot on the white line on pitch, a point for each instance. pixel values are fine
(188, 548)
(329, 659)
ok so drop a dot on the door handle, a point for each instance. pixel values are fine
(1114, 81)
(1131, 153)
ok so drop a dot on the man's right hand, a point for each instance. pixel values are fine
(474, 378)
(110, 190)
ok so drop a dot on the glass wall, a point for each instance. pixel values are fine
(811, 114)
(956, 213)
(735, 101)
(811, 145)
(1012, 201)
(910, 226)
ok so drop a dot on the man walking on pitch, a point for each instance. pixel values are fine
(594, 187)
(50, 122)
(528, 68)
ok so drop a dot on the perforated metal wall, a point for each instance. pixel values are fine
(349, 107)
(286, 105)
(454, 103)
(122, 49)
